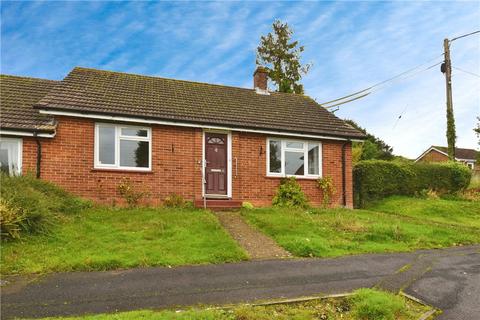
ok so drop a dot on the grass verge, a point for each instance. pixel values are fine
(337, 232)
(364, 304)
(105, 239)
(452, 212)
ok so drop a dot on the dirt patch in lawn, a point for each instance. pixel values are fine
(257, 244)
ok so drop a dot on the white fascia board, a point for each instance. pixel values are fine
(189, 125)
(26, 134)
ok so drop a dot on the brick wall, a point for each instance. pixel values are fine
(434, 156)
(68, 161)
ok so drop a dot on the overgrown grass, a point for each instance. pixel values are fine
(453, 212)
(104, 239)
(336, 232)
(365, 304)
(29, 205)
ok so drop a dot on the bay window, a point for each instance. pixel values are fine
(293, 158)
(122, 147)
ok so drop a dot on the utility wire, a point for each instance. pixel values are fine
(469, 72)
(365, 92)
(465, 35)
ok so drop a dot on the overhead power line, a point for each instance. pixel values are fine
(365, 92)
(469, 72)
(465, 35)
(401, 76)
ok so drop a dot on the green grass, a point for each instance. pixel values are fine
(104, 239)
(454, 212)
(337, 232)
(364, 304)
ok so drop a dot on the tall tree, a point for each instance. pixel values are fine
(372, 148)
(280, 55)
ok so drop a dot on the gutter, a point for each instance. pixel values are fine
(192, 125)
(26, 133)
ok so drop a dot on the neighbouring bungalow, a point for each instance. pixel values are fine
(440, 154)
(95, 128)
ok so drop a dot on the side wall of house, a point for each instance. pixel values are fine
(434, 156)
(68, 160)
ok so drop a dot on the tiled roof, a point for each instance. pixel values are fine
(17, 96)
(114, 93)
(460, 153)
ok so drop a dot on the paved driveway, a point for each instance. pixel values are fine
(453, 284)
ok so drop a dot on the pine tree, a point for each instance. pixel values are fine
(281, 57)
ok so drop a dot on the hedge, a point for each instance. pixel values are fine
(376, 179)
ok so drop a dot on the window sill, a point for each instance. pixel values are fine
(121, 170)
(296, 177)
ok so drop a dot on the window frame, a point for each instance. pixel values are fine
(283, 143)
(118, 137)
(19, 142)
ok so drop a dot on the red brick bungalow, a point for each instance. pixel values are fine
(94, 128)
(440, 154)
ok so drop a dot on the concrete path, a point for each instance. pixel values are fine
(452, 284)
(257, 244)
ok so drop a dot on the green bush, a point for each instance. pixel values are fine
(11, 219)
(247, 205)
(376, 179)
(370, 304)
(174, 201)
(29, 205)
(290, 195)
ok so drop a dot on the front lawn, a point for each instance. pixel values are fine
(103, 239)
(454, 212)
(364, 304)
(336, 232)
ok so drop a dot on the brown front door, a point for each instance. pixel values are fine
(216, 165)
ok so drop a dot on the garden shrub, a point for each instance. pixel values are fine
(370, 304)
(174, 201)
(290, 195)
(30, 205)
(128, 191)
(376, 179)
(328, 189)
(11, 219)
(247, 205)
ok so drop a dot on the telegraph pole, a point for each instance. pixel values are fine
(447, 70)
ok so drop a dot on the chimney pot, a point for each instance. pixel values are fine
(260, 78)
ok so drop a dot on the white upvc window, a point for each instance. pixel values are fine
(11, 155)
(123, 147)
(294, 158)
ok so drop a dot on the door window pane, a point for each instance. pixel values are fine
(106, 145)
(134, 132)
(294, 163)
(134, 154)
(275, 156)
(313, 159)
(10, 156)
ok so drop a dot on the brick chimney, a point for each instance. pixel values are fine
(260, 79)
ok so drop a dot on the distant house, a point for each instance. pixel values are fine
(94, 128)
(440, 154)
